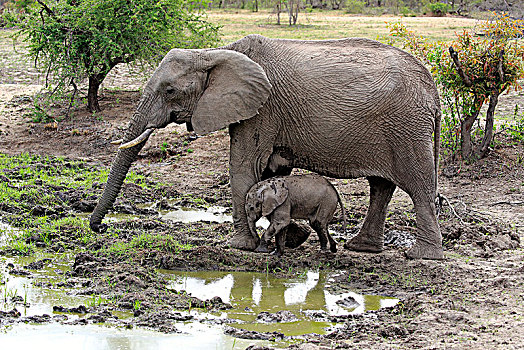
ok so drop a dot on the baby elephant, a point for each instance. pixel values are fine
(281, 199)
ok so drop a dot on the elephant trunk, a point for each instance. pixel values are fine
(121, 164)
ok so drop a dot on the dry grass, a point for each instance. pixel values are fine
(330, 25)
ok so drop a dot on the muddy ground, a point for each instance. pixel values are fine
(474, 298)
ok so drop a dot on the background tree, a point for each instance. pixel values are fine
(471, 71)
(78, 40)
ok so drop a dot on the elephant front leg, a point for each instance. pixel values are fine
(371, 235)
(242, 238)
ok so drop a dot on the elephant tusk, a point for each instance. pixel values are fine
(138, 140)
(117, 142)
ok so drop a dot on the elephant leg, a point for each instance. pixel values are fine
(332, 243)
(323, 236)
(371, 235)
(242, 237)
(263, 245)
(280, 243)
(279, 221)
(429, 239)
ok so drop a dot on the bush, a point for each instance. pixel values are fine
(355, 6)
(471, 72)
(438, 8)
(84, 39)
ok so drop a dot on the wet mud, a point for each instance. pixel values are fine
(173, 218)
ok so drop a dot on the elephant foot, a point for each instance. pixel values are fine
(421, 250)
(362, 243)
(243, 242)
(262, 248)
(333, 248)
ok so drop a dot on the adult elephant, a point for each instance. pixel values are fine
(342, 108)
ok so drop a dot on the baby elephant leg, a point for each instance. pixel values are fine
(263, 245)
(280, 241)
(324, 236)
(279, 221)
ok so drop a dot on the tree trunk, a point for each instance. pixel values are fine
(279, 8)
(466, 144)
(92, 92)
(488, 131)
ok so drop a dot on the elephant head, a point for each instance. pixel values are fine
(262, 200)
(206, 89)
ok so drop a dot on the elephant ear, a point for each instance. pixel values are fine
(272, 195)
(237, 87)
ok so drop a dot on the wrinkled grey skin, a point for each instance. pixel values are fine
(282, 198)
(341, 108)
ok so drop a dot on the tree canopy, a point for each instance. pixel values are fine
(74, 40)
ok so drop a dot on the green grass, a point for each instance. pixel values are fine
(28, 174)
(27, 181)
(148, 241)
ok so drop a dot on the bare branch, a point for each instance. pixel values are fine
(467, 81)
(72, 97)
(443, 198)
(500, 66)
(47, 9)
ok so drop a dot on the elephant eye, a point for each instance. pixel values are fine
(170, 91)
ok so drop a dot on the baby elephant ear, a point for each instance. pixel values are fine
(236, 88)
(272, 195)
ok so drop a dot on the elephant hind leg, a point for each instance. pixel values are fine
(324, 237)
(371, 235)
(429, 239)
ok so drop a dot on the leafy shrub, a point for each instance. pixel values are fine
(355, 6)
(84, 39)
(470, 72)
(438, 8)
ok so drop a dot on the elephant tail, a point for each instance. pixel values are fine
(436, 147)
(343, 211)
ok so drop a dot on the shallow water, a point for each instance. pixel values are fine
(187, 215)
(184, 215)
(40, 300)
(57, 336)
(252, 293)
(248, 293)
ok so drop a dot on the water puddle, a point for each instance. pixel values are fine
(187, 215)
(56, 336)
(33, 296)
(306, 300)
(183, 215)
(6, 231)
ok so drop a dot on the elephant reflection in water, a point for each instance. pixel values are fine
(263, 293)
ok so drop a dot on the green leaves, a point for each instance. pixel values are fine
(490, 64)
(74, 40)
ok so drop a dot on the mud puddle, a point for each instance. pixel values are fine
(57, 336)
(44, 307)
(263, 303)
(181, 214)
